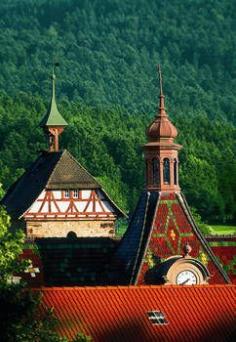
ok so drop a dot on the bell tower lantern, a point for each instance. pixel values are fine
(161, 152)
(53, 123)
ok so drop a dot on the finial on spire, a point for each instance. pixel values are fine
(54, 65)
(160, 78)
(161, 96)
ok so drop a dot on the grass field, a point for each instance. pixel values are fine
(221, 229)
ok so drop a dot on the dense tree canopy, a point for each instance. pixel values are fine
(108, 51)
(109, 143)
(107, 90)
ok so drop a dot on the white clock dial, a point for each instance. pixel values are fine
(186, 278)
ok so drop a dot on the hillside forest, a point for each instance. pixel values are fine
(107, 90)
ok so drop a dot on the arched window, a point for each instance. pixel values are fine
(166, 171)
(155, 172)
(175, 172)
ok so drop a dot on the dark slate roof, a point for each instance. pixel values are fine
(129, 255)
(70, 174)
(27, 188)
(51, 170)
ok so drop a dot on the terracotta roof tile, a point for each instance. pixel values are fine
(194, 313)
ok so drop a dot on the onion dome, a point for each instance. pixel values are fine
(161, 127)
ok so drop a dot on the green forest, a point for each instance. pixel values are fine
(107, 90)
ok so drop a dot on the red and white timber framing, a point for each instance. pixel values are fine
(71, 205)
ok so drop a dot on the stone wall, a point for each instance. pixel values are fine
(46, 229)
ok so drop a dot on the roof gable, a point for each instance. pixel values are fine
(70, 174)
(52, 171)
(160, 228)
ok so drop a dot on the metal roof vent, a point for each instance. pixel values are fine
(157, 317)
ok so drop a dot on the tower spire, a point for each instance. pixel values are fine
(53, 123)
(53, 84)
(161, 152)
(162, 111)
(160, 78)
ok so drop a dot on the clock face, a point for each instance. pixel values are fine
(186, 278)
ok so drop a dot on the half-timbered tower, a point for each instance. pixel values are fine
(163, 244)
(56, 195)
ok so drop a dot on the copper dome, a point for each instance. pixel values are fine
(161, 127)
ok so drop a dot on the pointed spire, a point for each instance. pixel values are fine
(53, 123)
(161, 127)
(53, 117)
(162, 111)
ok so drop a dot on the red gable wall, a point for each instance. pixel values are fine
(171, 231)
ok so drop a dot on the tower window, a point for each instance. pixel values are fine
(175, 172)
(67, 193)
(155, 171)
(166, 171)
(75, 193)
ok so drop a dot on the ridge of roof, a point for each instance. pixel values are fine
(120, 211)
(130, 287)
(133, 275)
(129, 250)
(129, 243)
(201, 237)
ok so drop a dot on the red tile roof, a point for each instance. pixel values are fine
(194, 313)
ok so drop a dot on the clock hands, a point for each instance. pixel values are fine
(184, 282)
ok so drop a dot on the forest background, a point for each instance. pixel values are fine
(107, 90)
